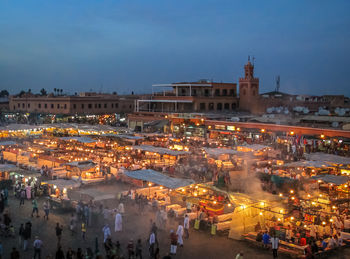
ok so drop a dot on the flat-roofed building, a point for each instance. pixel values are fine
(201, 96)
(85, 103)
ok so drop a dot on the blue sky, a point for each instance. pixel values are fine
(121, 46)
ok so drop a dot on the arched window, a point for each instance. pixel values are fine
(219, 106)
(227, 106)
(233, 106)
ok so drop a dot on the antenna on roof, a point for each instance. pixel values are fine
(277, 83)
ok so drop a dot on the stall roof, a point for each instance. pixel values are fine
(329, 178)
(328, 158)
(220, 151)
(8, 167)
(159, 178)
(255, 147)
(160, 150)
(7, 143)
(307, 163)
(128, 137)
(79, 139)
(82, 164)
(61, 183)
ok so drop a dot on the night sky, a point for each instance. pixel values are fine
(121, 46)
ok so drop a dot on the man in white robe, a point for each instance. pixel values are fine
(118, 222)
(106, 233)
(179, 233)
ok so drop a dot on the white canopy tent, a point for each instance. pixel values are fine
(159, 178)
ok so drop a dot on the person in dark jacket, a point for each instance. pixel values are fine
(59, 253)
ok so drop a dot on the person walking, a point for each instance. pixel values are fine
(106, 233)
(22, 196)
(118, 223)
(37, 247)
(83, 230)
(35, 208)
(274, 245)
(152, 241)
(72, 224)
(59, 230)
(130, 248)
(70, 253)
(138, 249)
(173, 242)
(46, 207)
(20, 235)
(179, 233)
(14, 253)
(59, 253)
(187, 226)
(27, 235)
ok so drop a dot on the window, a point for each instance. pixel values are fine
(89, 105)
(95, 105)
(39, 105)
(116, 105)
(23, 105)
(65, 106)
(112, 105)
(183, 91)
(217, 92)
(232, 92)
(227, 106)
(233, 106)
(211, 106)
(19, 105)
(82, 106)
(74, 106)
(99, 106)
(105, 105)
(51, 105)
(45, 105)
(219, 106)
(58, 106)
(224, 92)
(194, 92)
(206, 92)
(130, 106)
(28, 105)
(14, 107)
(202, 106)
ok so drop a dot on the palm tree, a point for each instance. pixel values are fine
(61, 91)
(43, 92)
(55, 90)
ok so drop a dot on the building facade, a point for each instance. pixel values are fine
(85, 103)
(202, 96)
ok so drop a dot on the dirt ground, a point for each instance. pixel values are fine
(199, 245)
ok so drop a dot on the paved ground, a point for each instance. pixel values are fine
(199, 245)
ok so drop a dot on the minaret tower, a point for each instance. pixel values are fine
(248, 89)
